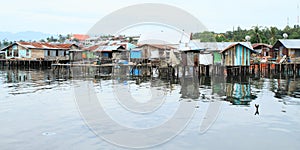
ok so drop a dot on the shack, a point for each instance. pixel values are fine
(136, 55)
(190, 58)
(112, 52)
(38, 51)
(155, 53)
(76, 55)
(288, 48)
(264, 52)
(237, 57)
(211, 59)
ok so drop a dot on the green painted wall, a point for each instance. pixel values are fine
(217, 58)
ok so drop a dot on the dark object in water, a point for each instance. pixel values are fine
(257, 112)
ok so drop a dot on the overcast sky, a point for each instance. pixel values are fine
(78, 16)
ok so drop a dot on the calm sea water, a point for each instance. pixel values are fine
(39, 111)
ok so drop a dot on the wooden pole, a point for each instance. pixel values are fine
(280, 68)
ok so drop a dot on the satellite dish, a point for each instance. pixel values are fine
(248, 38)
(285, 35)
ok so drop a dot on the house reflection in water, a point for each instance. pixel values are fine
(238, 91)
(190, 88)
(16, 76)
(287, 87)
(218, 85)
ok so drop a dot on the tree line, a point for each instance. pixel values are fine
(60, 39)
(257, 34)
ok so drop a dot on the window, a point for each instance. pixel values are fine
(15, 47)
(16, 53)
(27, 53)
(9, 53)
(61, 53)
(297, 53)
(53, 53)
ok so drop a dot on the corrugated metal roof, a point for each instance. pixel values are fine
(158, 46)
(116, 42)
(91, 48)
(219, 46)
(256, 45)
(39, 45)
(246, 44)
(109, 48)
(128, 46)
(191, 46)
(291, 43)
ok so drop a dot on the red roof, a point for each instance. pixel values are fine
(37, 45)
(80, 37)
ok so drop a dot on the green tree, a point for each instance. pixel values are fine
(273, 33)
(256, 34)
(205, 36)
(5, 43)
(61, 38)
(51, 39)
(221, 38)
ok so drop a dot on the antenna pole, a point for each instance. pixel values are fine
(298, 15)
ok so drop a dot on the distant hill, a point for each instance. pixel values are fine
(26, 36)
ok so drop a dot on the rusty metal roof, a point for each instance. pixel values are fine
(257, 45)
(37, 45)
(91, 48)
(42, 45)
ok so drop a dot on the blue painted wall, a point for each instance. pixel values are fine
(238, 56)
(136, 54)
